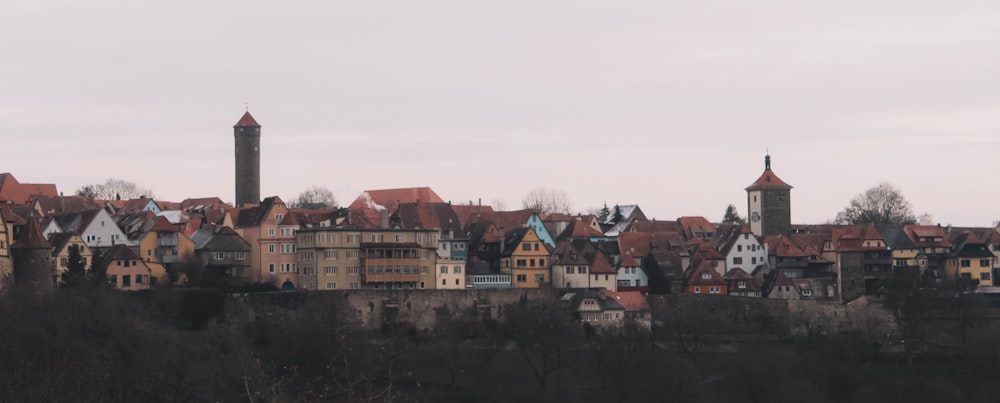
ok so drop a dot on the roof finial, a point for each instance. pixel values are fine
(247, 105)
(767, 161)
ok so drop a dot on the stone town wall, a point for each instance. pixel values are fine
(738, 317)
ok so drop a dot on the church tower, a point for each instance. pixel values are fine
(769, 204)
(247, 133)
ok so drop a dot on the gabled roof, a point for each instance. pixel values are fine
(58, 240)
(572, 252)
(579, 229)
(253, 216)
(513, 219)
(162, 224)
(49, 206)
(575, 297)
(388, 199)
(422, 215)
(927, 232)
(513, 238)
(247, 121)
(470, 213)
(76, 222)
(632, 301)
(706, 267)
(204, 203)
(19, 193)
(693, 226)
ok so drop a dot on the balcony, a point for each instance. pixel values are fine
(389, 277)
(166, 241)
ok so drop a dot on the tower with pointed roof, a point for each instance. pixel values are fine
(769, 205)
(247, 133)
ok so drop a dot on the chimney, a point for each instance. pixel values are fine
(502, 240)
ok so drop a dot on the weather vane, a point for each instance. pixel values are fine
(247, 105)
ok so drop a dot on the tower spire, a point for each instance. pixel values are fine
(767, 161)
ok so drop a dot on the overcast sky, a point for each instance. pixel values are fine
(667, 104)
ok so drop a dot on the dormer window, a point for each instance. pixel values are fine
(706, 276)
(741, 284)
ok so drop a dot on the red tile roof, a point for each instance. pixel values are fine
(632, 301)
(768, 180)
(247, 121)
(19, 193)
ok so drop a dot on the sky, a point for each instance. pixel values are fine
(666, 104)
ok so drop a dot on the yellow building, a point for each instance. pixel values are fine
(526, 258)
(62, 242)
(342, 259)
(164, 244)
(970, 263)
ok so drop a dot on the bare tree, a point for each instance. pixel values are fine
(881, 205)
(113, 188)
(498, 204)
(547, 201)
(315, 197)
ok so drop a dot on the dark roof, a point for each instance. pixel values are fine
(58, 240)
(32, 237)
(253, 216)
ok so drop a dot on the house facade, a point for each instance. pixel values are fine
(125, 269)
(526, 258)
(373, 258)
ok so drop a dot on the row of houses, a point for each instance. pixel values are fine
(412, 239)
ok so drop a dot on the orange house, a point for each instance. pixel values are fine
(526, 258)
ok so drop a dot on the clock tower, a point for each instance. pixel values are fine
(769, 205)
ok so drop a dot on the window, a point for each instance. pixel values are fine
(270, 248)
(526, 247)
(966, 263)
(706, 276)
(458, 270)
(330, 270)
(64, 262)
(241, 256)
(532, 261)
(270, 268)
(522, 278)
(541, 262)
(741, 284)
(330, 286)
(270, 232)
(461, 246)
(421, 238)
(354, 285)
(807, 293)
(739, 248)
(569, 269)
(353, 238)
(287, 248)
(399, 238)
(444, 282)
(330, 254)
(444, 269)
(536, 246)
(352, 255)
(581, 270)
(126, 279)
(376, 237)
(697, 290)
(984, 263)
(353, 270)
(539, 278)
(220, 255)
(421, 284)
(138, 278)
(985, 276)
(522, 263)
(457, 282)
(737, 260)
(753, 260)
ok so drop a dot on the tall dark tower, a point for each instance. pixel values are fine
(247, 133)
(769, 204)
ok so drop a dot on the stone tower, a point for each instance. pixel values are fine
(769, 204)
(32, 258)
(247, 133)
